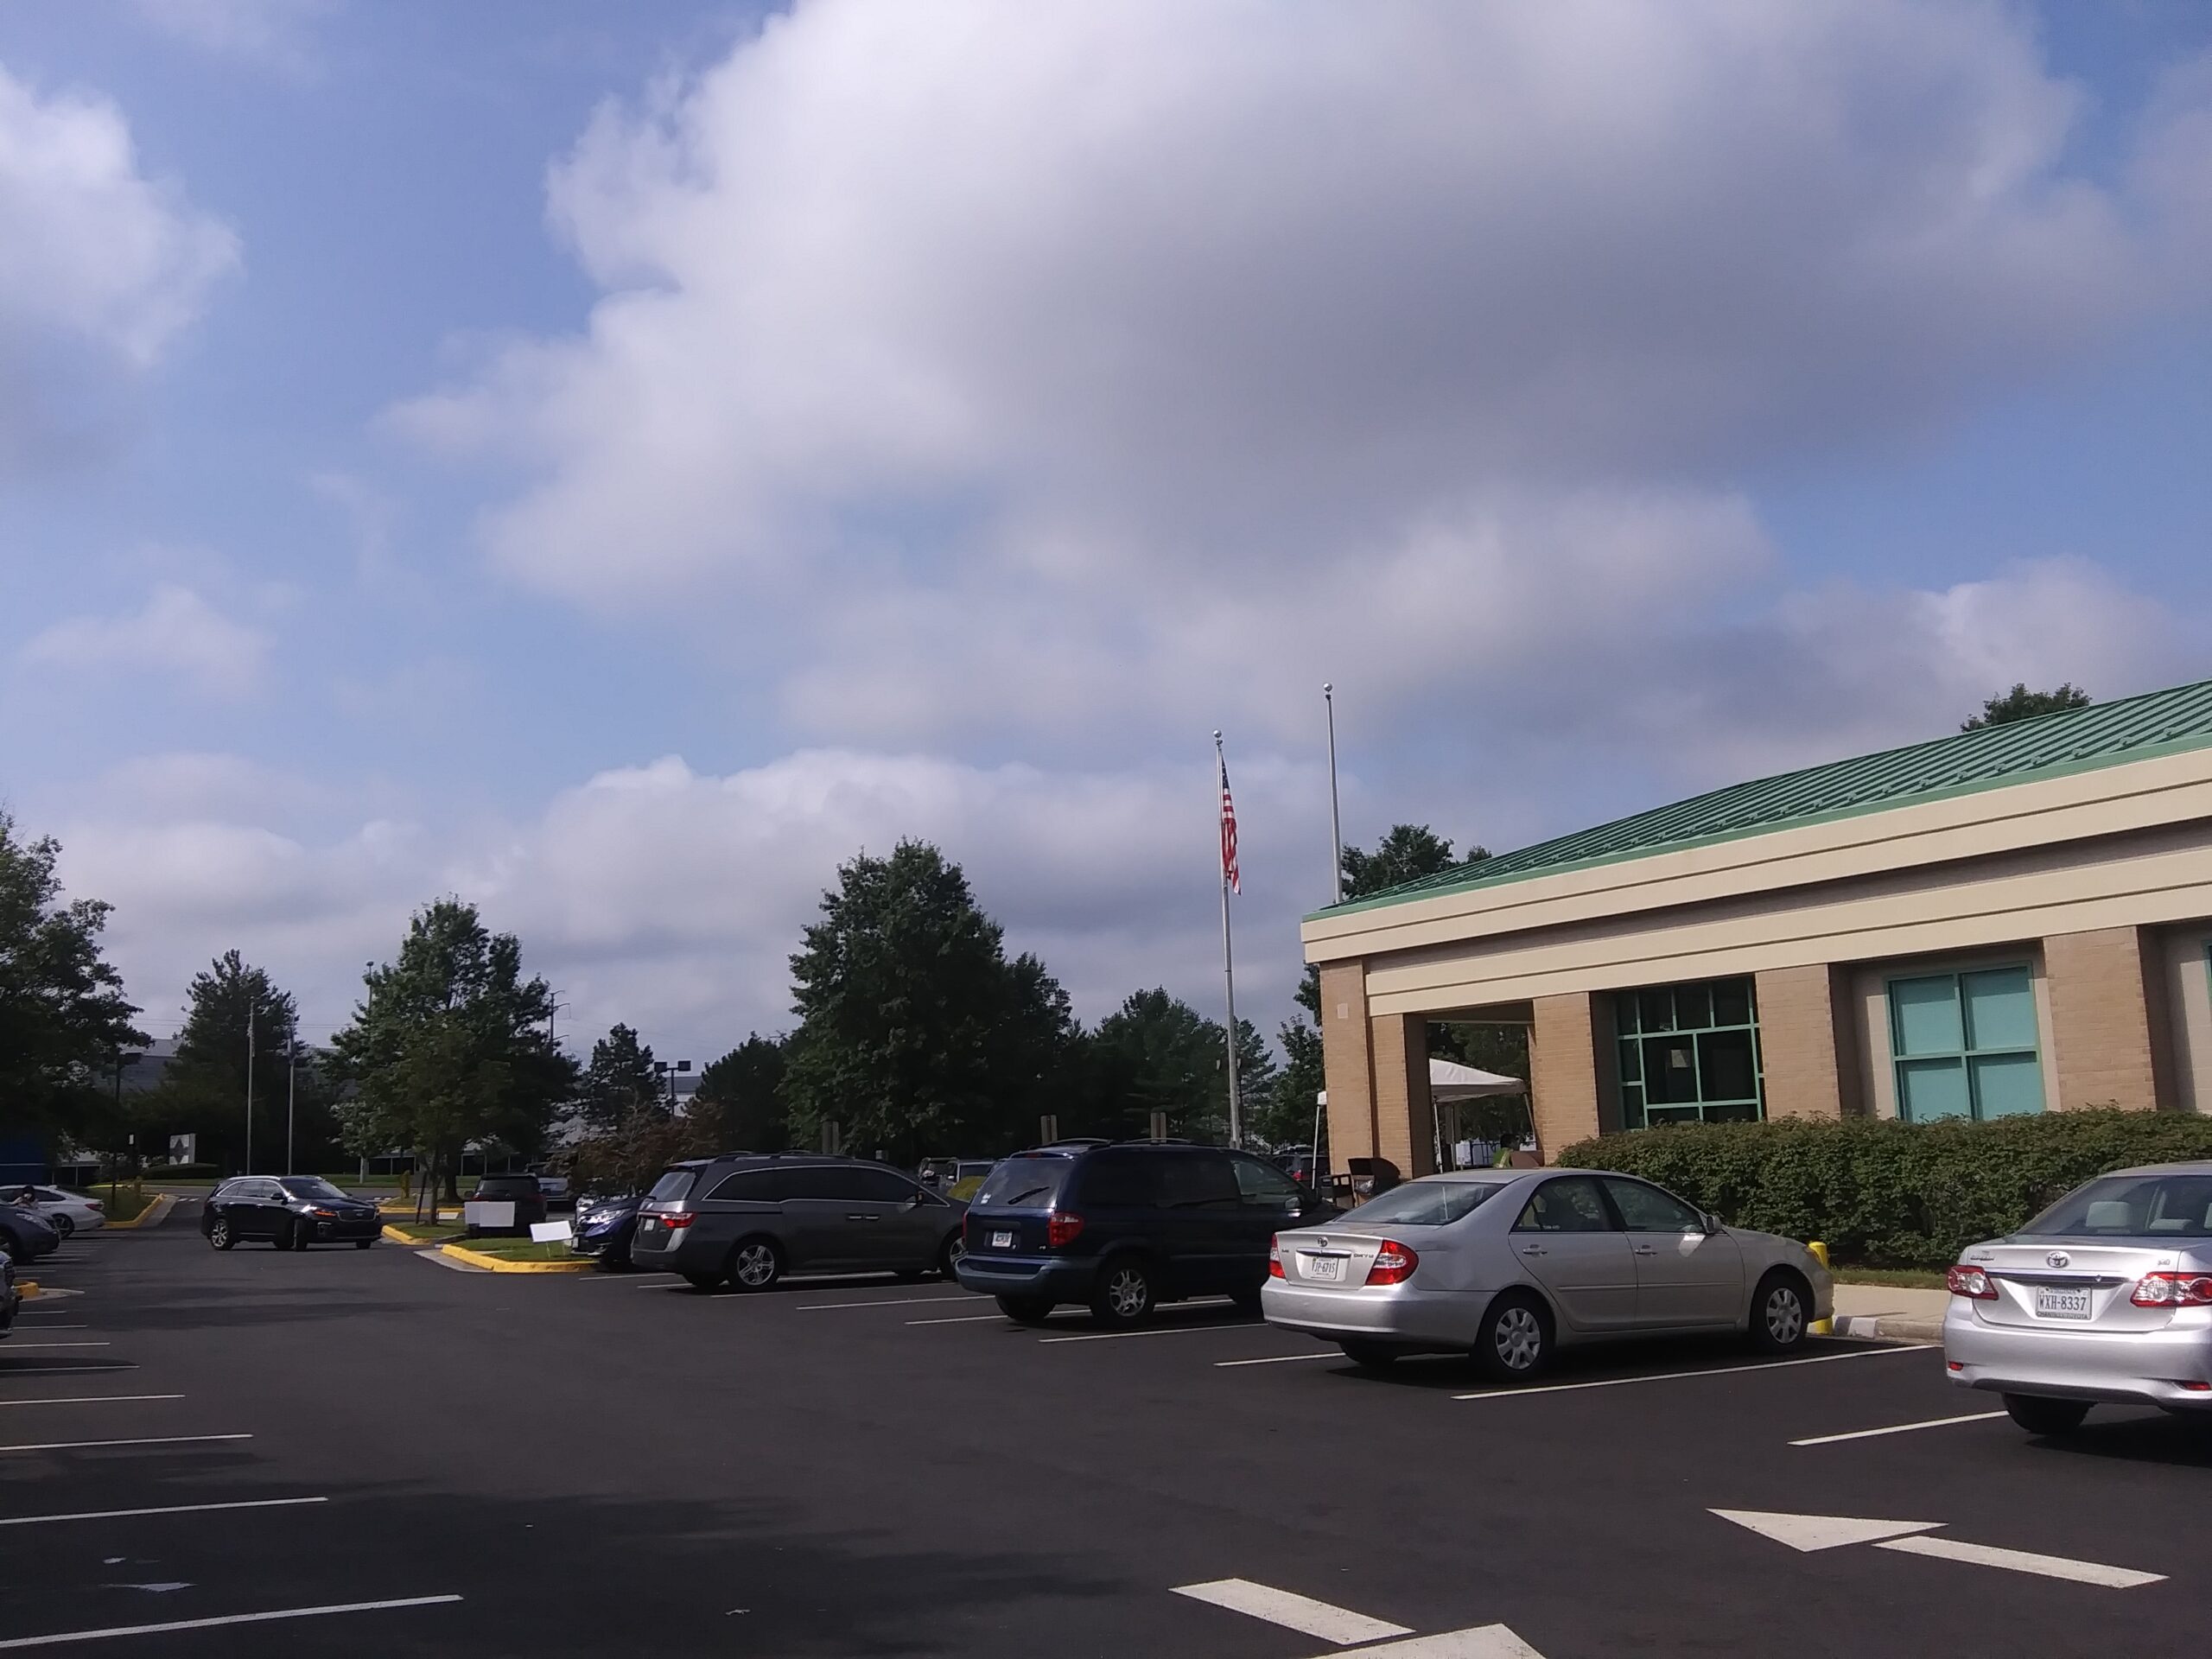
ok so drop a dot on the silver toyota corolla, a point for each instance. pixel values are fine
(1509, 1264)
(2106, 1295)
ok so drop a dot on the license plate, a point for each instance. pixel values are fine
(1325, 1270)
(1002, 1239)
(2062, 1304)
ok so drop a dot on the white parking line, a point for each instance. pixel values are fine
(1510, 1392)
(1156, 1331)
(1898, 1428)
(167, 1508)
(91, 1400)
(1292, 1612)
(885, 1302)
(25, 1347)
(1272, 1359)
(61, 1636)
(963, 1318)
(161, 1440)
(65, 1370)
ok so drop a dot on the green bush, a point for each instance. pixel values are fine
(1884, 1193)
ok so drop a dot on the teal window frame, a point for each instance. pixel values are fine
(1635, 1031)
(1968, 1053)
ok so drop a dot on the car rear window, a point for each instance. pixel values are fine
(1425, 1204)
(745, 1187)
(1024, 1183)
(2131, 1206)
(673, 1185)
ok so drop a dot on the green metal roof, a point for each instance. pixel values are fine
(2073, 740)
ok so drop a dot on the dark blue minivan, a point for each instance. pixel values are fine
(1121, 1228)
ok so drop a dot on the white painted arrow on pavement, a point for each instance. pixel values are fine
(1812, 1532)
(1348, 1629)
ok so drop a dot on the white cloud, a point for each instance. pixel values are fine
(101, 266)
(264, 34)
(178, 632)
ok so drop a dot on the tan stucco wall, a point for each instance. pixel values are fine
(2180, 954)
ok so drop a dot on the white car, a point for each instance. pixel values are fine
(66, 1212)
(1509, 1264)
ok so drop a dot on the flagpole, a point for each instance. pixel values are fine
(1227, 961)
(1336, 824)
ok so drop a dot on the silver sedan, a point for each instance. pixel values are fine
(1511, 1264)
(2105, 1296)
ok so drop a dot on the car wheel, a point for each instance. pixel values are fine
(703, 1280)
(63, 1225)
(1782, 1313)
(1515, 1342)
(362, 1243)
(1124, 1293)
(755, 1264)
(948, 1255)
(219, 1234)
(2041, 1414)
(1025, 1310)
(1369, 1355)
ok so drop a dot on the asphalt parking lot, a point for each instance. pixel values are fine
(368, 1453)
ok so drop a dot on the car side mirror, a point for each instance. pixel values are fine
(1712, 1222)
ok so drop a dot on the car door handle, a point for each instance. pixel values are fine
(860, 1217)
(1647, 1249)
(1532, 1249)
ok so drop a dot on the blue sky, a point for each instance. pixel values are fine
(614, 461)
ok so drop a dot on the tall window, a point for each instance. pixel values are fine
(1965, 1044)
(1689, 1053)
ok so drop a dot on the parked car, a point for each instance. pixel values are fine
(605, 1228)
(290, 1211)
(553, 1189)
(519, 1190)
(25, 1235)
(750, 1218)
(1512, 1265)
(1122, 1228)
(65, 1212)
(2105, 1296)
(10, 1298)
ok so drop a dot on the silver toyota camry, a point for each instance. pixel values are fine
(1511, 1264)
(2105, 1296)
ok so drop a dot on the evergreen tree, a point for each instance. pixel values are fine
(742, 1096)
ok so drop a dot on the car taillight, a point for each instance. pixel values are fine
(1393, 1264)
(1970, 1282)
(1060, 1227)
(1274, 1258)
(2173, 1290)
(92, 1204)
(679, 1221)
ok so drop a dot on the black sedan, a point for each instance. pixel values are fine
(290, 1211)
(25, 1235)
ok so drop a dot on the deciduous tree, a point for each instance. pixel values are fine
(2020, 703)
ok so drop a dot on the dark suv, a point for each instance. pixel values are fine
(1122, 1228)
(290, 1211)
(750, 1218)
(521, 1190)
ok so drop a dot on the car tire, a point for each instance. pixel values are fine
(362, 1243)
(1514, 1340)
(2039, 1413)
(1123, 1296)
(1025, 1310)
(219, 1234)
(948, 1255)
(755, 1264)
(1782, 1313)
(64, 1226)
(703, 1280)
(1369, 1355)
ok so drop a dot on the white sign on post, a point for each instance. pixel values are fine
(549, 1232)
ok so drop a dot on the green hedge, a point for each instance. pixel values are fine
(1891, 1194)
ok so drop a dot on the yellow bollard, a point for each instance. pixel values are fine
(1821, 1327)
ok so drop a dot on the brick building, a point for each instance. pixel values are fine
(2013, 919)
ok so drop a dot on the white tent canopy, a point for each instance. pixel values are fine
(1449, 1081)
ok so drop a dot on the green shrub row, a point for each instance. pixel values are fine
(1889, 1194)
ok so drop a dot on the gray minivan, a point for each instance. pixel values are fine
(749, 1219)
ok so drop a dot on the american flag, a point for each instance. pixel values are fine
(1228, 833)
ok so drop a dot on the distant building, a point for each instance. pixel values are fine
(2012, 919)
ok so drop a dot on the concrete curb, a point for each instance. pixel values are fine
(152, 1216)
(497, 1264)
(401, 1236)
(1888, 1327)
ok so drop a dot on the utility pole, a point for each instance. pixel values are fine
(291, 1098)
(248, 1078)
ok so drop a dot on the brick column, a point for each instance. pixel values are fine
(1405, 1132)
(1797, 1043)
(2101, 1019)
(1347, 1063)
(1562, 1073)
